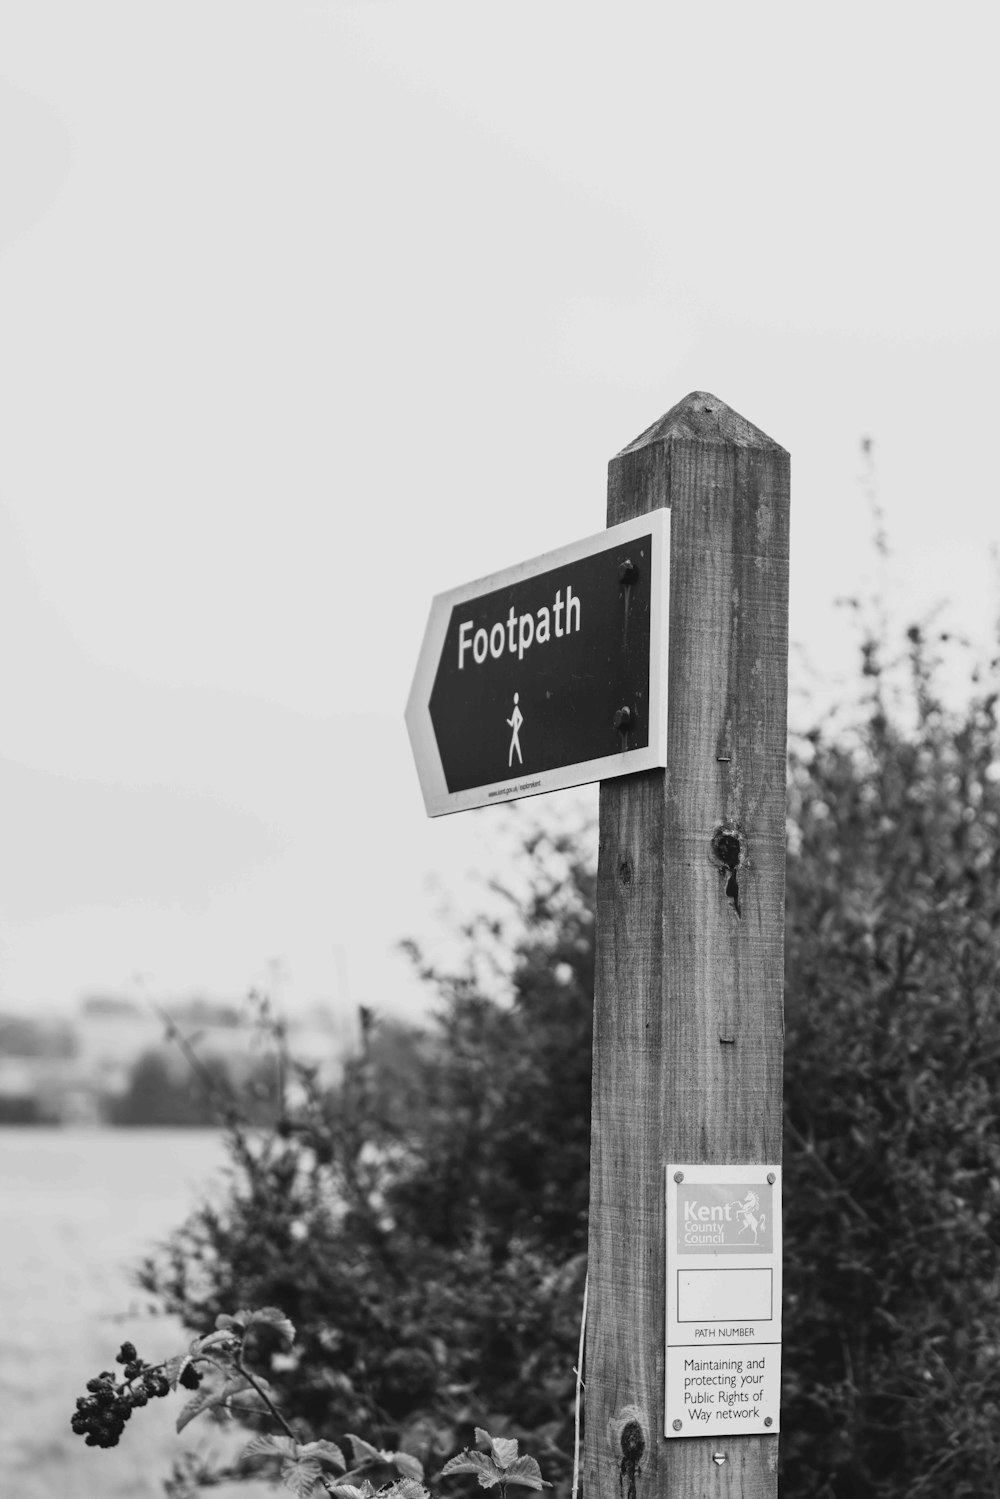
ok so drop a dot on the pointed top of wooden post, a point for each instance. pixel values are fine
(702, 417)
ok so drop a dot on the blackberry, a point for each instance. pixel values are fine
(100, 1418)
(101, 1414)
(189, 1377)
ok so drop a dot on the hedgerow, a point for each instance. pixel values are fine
(423, 1224)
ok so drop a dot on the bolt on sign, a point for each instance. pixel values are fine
(723, 1350)
(549, 674)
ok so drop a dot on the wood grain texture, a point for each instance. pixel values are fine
(690, 931)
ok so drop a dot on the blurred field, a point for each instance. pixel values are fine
(77, 1209)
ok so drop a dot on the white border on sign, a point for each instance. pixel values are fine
(437, 798)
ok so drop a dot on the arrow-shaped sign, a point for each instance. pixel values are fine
(549, 674)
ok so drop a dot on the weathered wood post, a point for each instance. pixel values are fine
(688, 1003)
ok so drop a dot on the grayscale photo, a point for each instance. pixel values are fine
(499, 750)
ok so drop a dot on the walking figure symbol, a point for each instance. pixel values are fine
(515, 721)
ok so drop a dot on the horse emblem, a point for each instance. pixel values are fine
(750, 1216)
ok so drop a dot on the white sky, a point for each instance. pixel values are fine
(310, 311)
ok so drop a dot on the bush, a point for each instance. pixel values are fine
(892, 1149)
(424, 1225)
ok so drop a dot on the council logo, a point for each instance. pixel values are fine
(725, 1218)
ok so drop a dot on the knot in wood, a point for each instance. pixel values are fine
(633, 1444)
(727, 851)
(727, 848)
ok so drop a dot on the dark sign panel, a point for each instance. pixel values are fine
(549, 674)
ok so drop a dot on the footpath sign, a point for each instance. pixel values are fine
(549, 674)
(723, 1363)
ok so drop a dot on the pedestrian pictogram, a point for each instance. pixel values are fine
(515, 721)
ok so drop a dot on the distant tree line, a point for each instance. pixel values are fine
(23, 1036)
(57, 1069)
(160, 1092)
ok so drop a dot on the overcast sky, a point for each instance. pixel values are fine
(309, 311)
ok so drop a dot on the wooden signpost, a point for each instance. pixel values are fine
(690, 931)
(688, 994)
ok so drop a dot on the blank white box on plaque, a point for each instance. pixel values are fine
(725, 1295)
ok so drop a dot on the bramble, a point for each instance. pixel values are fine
(226, 1386)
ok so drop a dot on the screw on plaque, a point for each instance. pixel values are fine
(678, 1425)
(623, 721)
(771, 1178)
(678, 1176)
(628, 573)
(768, 1421)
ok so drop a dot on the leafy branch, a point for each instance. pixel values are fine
(498, 1465)
(215, 1368)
